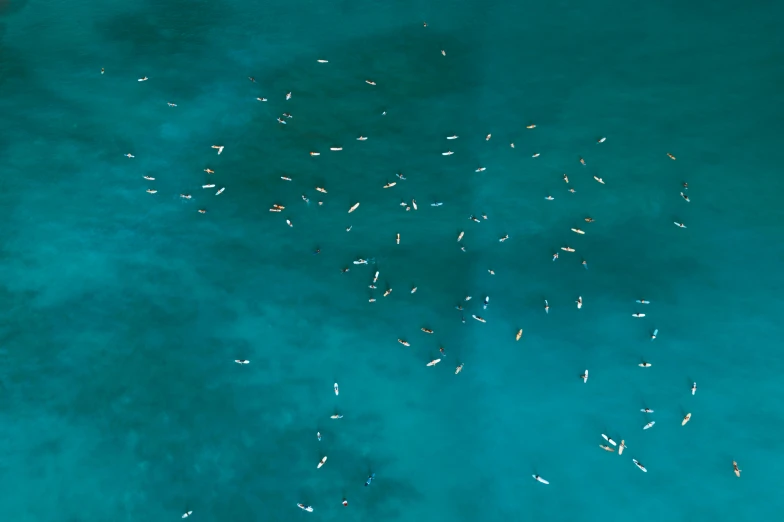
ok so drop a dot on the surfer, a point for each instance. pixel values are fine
(621, 447)
(540, 479)
(337, 390)
(306, 508)
(584, 376)
(686, 419)
(736, 469)
(645, 365)
(636, 463)
(654, 334)
(579, 302)
(649, 425)
(694, 388)
(321, 462)
(606, 448)
(241, 361)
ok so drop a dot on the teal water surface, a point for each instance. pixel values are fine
(123, 311)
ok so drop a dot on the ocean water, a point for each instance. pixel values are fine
(122, 311)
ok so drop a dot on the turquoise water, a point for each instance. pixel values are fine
(123, 311)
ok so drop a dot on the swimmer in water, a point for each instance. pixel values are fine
(555, 256)
(318, 436)
(370, 479)
(585, 264)
(442, 351)
(345, 502)
(589, 220)
(654, 334)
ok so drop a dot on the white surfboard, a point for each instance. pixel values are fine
(540, 479)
